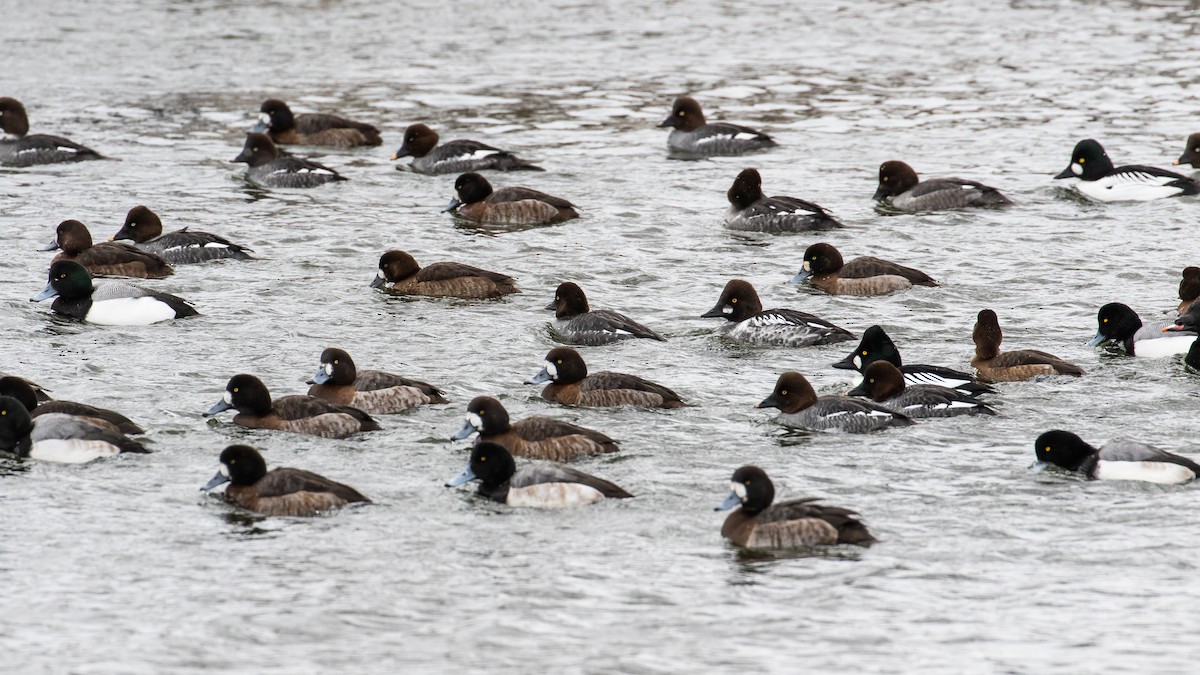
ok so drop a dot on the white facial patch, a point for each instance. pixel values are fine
(328, 368)
(380, 274)
(1076, 168)
(727, 309)
(224, 469)
(857, 363)
(228, 397)
(264, 118)
(474, 420)
(739, 489)
(806, 266)
(552, 370)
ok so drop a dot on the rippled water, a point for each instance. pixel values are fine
(122, 566)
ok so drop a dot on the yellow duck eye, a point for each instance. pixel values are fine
(1104, 321)
(235, 390)
(885, 179)
(1081, 160)
(733, 301)
(681, 113)
(254, 149)
(783, 392)
(1047, 448)
(864, 352)
(335, 362)
(483, 459)
(559, 362)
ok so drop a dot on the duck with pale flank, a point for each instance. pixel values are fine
(1191, 153)
(106, 259)
(752, 211)
(884, 384)
(458, 156)
(823, 268)
(112, 303)
(18, 147)
(692, 136)
(544, 486)
(570, 384)
(475, 200)
(144, 228)
(21, 390)
(56, 437)
(763, 523)
(284, 127)
(1119, 324)
(1116, 460)
(801, 408)
(269, 167)
(575, 322)
(876, 345)
(1100, 180)
(1189, 289)
(280, 491)
(1022, 364)
(739, 304)
(298, 414)
(536, 437)
(901, 189)
(399, 273)
(372, 391)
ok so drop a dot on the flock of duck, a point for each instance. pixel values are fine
(343, 399)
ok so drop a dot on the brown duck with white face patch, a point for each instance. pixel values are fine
(400, 273)
(535, 437)
(824, 268)
(298, 414)
(1014, 366)
(570, 384)
(372, 391)
(106, 258)
(280, 491)
(474, 199)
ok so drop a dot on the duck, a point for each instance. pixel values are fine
(371, 391)
(536, 437)
(761, 523)
(458, 156)
(801, 408)
(739, 304)
(144, 228)
(25, 149)
(56, 437)
(1186, 322)
(752, 211)
(1193, 356)
(884, 384)
(111, 303)
(1117, 460)
(399, 273)
(276, 119)
(692, 136)
(824, 269)
(271, 168)
(901, 189)
(539, 485)
(1189, 289)
(298, 414)
(475, 200)
(39, 391)
(106, 258)
(1022, 364)
(876, 345)
(280, 491)
(1099, 180)
(1191, 152)
(21, 390)
(570, 384)
(577, 323)
(1118, 323)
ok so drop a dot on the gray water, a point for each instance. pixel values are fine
(122, 566)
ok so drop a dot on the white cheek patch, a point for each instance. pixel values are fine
(551, 370)
(727, 309)
(1076, 168)
(380, 274)
(857, 363)
(806, 266)
(224, 469)
(739, 489)
(228, 397)
(264, 118)
(475, 421)
(328, 368)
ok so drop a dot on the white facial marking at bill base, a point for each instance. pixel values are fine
(739, 489)
(551, 370)
(228, 397)
(224, 469)
(474, 420)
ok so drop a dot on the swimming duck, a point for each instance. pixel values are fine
(298, 414)
(106, 258)
(1014, 366)
(1191, 152)
(884, 384)
(372, 391)
(900, 188)
(537, 485)
(475, 200)
(112, 303)
(1189, 289)
(535, 437)
(271, 168)
(27, 396)
(692, 136)
(762, 524)
(570, 384)
(739, 304)
(25, 149)
(877, 346)
(285, 128)
(144, 228)
(280, 491)
(752, 211)
(1118, 323)
(421, 143)
(1101, 181)
(56, 437)
(440, 279)
(802, 409)
(577, 323)
(824, 268)
(38, 390)
(1116, 460)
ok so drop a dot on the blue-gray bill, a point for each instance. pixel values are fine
(465, 477)
(731, 501)
(221, 406)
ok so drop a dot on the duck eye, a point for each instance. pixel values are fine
(1104, 321)
(733, 301)
(1047, 448)
(783, 392)
(1081, 160)
(872, 380)
(254, 149)
(559, 362)
(746, 483)
(885, 179)
(681, 113)
(335, 362)
(235, 390)
(864, 352)
(483, 459)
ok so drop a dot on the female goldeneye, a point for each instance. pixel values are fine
(1189, 289)
(1100, 181)
(900, 188)
(884, 384)
(144, 228)
(338, 381)
(1014, 366)
(576, 323)
(692, 136)
(1118, 323)
(1191, 152)
(106, 258)
(399, 273)
(298, 414)
(800, 407)
(739, 303)
(458, 156)
(285, 128)
(1116, 460)
(761, 523)
(475, 200)
(111, 303)
(270, 168)
(536, 437)
(824, 268)
(877, 346)
(280, 491)
(752, 211)
(24, 392)
(544, 486)
(57, 437)
(25, 149)
(570, 384)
